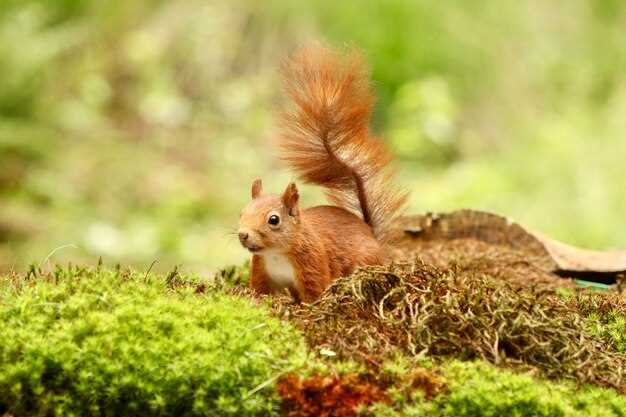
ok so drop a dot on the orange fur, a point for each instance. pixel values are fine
(258, 277)
(325, 135)
(326, 140)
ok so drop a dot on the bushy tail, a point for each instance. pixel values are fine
(325, 135)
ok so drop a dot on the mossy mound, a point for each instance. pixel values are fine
(406, 387)
(91, 341)
(450, 312)
(110, 343)
(477, 389)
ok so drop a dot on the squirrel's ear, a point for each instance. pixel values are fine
(257, 188)
(290, 199)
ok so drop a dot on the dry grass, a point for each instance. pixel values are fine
(462, 312)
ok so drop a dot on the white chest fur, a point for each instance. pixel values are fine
(280, 270)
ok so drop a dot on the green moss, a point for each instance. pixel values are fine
(233, 275)
(611, 326)
(604, 315)
(88, 342)
(477, 389)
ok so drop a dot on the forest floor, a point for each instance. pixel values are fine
(473, 318)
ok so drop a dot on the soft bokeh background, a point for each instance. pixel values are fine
(131, 130)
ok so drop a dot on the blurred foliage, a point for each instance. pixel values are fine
(132, 130)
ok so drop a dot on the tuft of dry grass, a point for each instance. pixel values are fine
(461, 312)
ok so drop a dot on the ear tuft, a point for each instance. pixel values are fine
(290, 199)
(257, 188)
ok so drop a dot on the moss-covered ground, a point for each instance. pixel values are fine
(95, 342)
(405, 340)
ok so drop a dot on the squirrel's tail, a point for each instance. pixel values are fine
(325, 135)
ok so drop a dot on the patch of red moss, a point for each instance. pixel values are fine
(327, 396)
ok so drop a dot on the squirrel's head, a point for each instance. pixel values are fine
(269, 221)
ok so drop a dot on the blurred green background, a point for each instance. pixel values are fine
(132, 130)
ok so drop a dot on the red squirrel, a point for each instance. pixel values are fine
(325, 139)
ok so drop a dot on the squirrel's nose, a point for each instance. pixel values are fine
(243, 236)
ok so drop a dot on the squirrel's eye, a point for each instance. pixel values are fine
(273, 220)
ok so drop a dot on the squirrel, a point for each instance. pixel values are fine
(325, 139)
